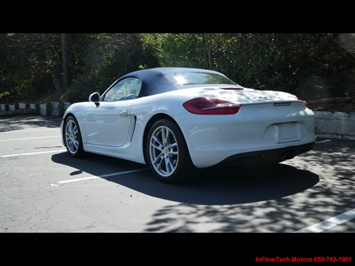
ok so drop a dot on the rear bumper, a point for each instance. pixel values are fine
(267, 156)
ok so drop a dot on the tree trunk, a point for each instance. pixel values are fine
(65, 59)
(52, 64)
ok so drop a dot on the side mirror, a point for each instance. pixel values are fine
(95, 98)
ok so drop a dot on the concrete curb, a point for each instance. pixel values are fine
(44, 109)
(335, 125)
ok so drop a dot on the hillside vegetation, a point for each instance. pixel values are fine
(318, 67)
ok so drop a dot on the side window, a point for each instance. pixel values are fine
(126, 89)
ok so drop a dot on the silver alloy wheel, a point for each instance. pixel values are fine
(72, 136)
(163, 151)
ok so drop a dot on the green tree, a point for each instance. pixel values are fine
(105, 58)
(75, 64)
(263, 60)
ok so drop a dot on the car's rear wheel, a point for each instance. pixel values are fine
(72, 137)
(166, 152)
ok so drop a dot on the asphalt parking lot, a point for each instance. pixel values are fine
(44, 190)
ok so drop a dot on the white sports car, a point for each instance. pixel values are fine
(177, 120)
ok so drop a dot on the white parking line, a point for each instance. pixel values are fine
(323, 141)
(49, 137)
(32, 153)
(28, 130)
(329, 223)
(100, 176)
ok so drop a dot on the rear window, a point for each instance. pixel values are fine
(196, 78)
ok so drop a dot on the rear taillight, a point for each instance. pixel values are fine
(305, 102)
(208, 106)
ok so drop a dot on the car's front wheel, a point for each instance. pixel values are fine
(166, 152)
(72, 137)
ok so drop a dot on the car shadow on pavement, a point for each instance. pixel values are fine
(215, 186)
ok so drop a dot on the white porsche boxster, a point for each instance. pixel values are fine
(176, 120)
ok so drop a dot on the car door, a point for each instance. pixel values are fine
(109, 122)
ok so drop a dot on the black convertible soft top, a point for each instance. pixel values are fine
(158, 80)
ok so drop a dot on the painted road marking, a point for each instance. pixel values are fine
(100, 176)
(27, 130)
(32, 153)
(329, 223)
(323, 141)
(30, 138)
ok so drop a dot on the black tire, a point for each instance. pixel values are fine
(72, 137)
(166, 152)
